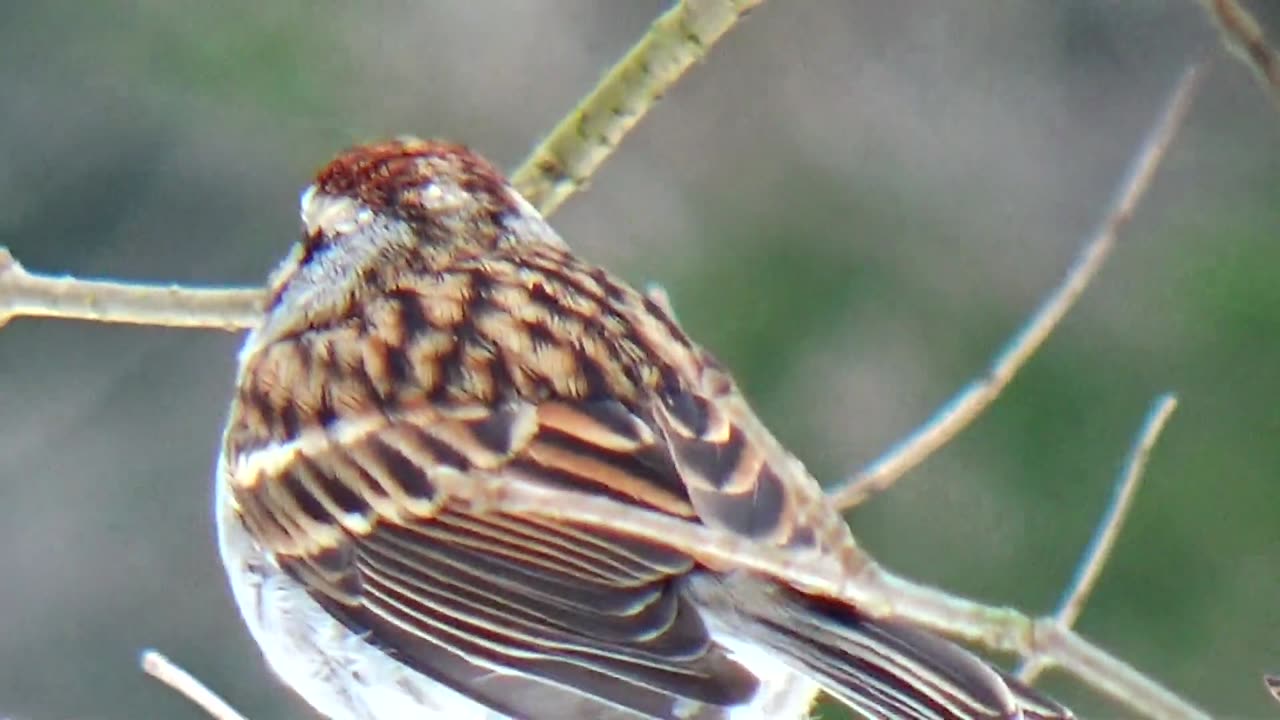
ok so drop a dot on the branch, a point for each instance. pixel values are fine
(1244, 38)
(185, 684)
(1110, 676)
(27, 294)
(972, 400)
(1104, 539)
(576, 147)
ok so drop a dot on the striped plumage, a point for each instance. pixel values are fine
(430, 328)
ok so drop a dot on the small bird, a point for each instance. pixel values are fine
(431, 328)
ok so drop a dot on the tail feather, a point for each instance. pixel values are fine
(883, 669)
(889, 670)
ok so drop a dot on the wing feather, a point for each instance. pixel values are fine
(373, 537)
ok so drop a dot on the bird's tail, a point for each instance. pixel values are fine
(883, 669)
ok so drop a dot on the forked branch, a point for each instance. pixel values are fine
(1104, 539)
(973, 399)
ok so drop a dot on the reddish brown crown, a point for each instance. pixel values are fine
(452, 200)
(379, 174)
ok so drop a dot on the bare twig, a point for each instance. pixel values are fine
(1244, 38)
(27, 294)
(1104, 539)
(185, 684)
(975, 397)
(570, 155)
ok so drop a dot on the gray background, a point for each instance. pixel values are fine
(852, 202)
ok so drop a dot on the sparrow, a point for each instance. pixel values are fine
(431, 329)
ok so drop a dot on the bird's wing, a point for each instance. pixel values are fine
(529, 616)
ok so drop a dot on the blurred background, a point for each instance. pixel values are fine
(853, 203)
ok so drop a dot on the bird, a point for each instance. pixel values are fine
(430, 328)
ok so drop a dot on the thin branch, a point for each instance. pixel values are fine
(185, 684)
(1104, 538)
(570, 155)
(1243, 37)
(32, 295)
(974, 398)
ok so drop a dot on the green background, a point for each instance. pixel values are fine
(853, 204)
